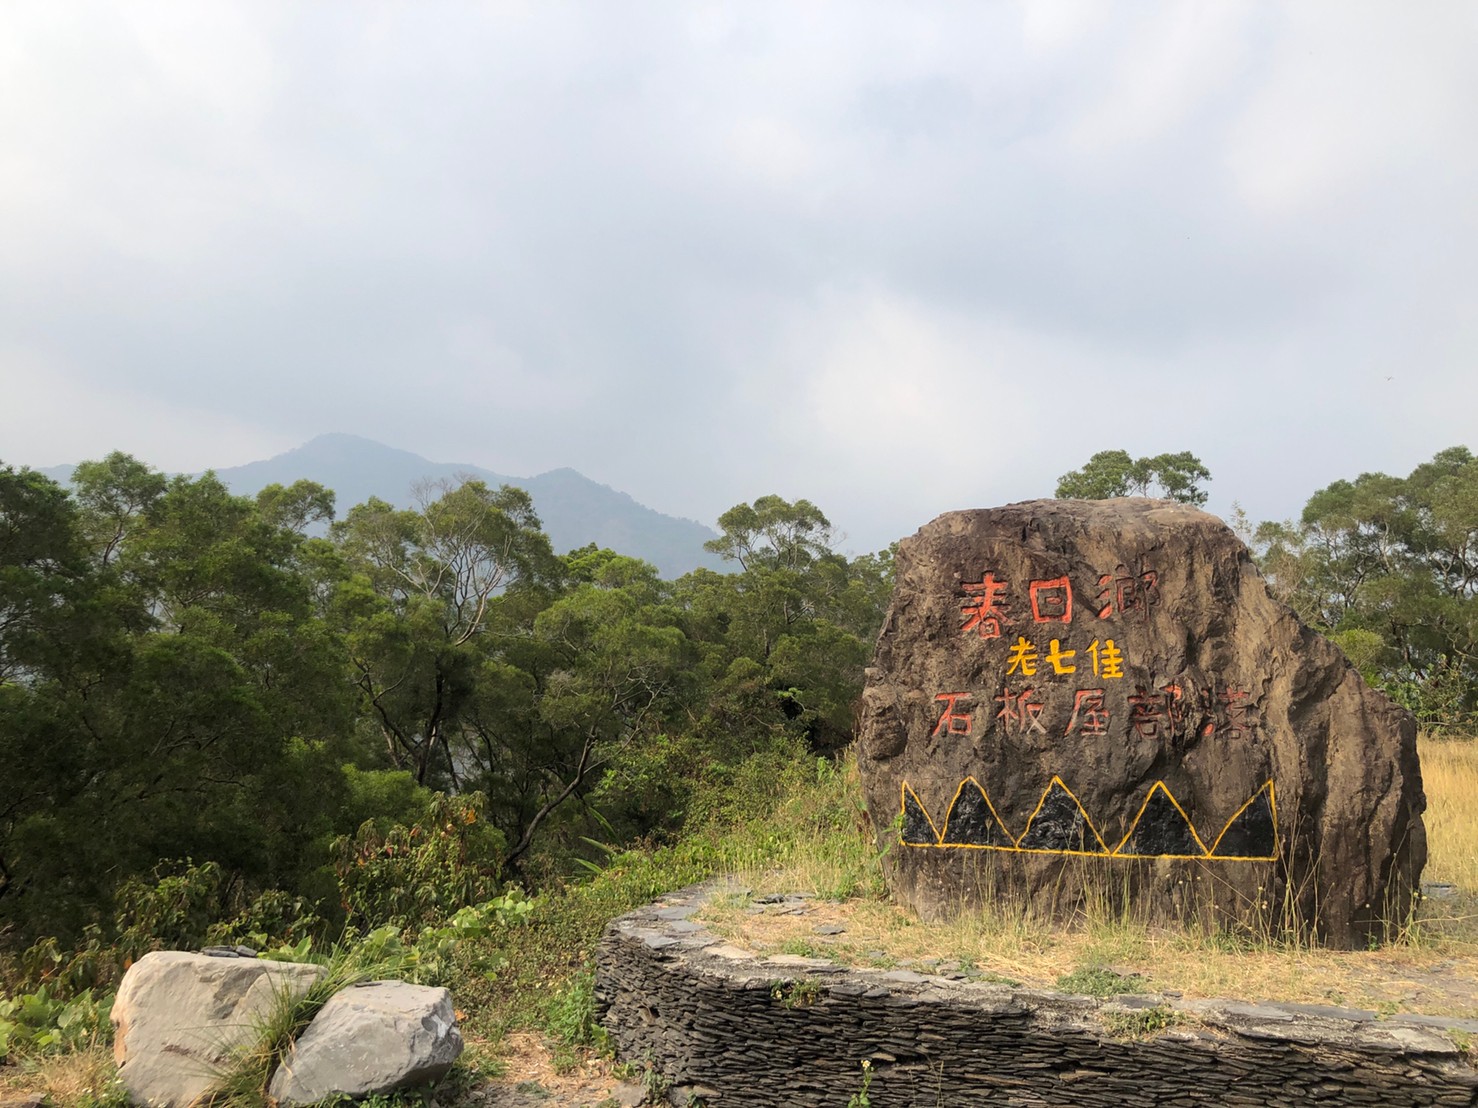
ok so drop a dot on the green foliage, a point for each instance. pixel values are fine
(218, 729)
(185, 701)
(275, 923)
(784, 642)
(1388, 567)
(1112, 473)
(40, 1021)
(421, 874)
(438, 948)
(172, 910)
(424, 587)
(570, 1020)
(1100, 982)
(184, 906)
(801, 993)
(1139, 1023)
(860, 1098)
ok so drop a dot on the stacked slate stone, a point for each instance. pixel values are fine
(727, 1027)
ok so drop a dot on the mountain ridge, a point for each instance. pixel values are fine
(574, 509)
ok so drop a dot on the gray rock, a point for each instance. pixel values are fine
(1069, 695)
(179, 1016)
(368, 1039)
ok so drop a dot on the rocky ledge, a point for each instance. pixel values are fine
(722, 1025)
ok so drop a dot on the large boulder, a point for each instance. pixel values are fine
(371, 1038)
(179, 1018)
(1100, 699)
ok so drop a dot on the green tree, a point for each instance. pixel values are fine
(424, 589)
(784, 641)
(614, 679)
(113, 495)
(1111, 473)
(189, 703)
(1388, 566)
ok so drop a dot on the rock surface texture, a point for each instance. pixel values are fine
(372, 1038)
(179, 1016)
(1077, 699)
(728, 1027)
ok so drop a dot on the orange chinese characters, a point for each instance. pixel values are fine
(1023, 659)
(1020, 710)
(953, 721)
(1090, 713)
(1052, 601)
(985, 607)
(1059, 659)
(1108, 659)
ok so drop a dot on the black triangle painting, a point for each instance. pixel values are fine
(918, 828)
(1161, 829)
(1253, 831)
(972, 820)
(1060, 825)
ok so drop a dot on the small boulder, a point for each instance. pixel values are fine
(368, 1039)
(179, 1017)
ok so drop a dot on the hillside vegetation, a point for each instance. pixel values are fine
(429, 736)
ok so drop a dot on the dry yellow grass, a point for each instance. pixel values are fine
(1432, 968)
(83, 1077)
(1450, 775)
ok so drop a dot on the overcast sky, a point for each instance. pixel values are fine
(893, 258)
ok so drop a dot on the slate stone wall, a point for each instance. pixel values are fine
(727, 1027)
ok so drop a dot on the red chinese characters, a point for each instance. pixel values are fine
(1052, 601)
(985, 610)
(1090, 713)
(1128, 594)
(1147, 712)
(1230, 713)
(952, 721)
(986, 605)
(1020, 711)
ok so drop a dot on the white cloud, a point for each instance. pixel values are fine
(1356, 95)
(708, 252)
(1165, 72)
(54, 416)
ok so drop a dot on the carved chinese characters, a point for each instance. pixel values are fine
(1073, 691)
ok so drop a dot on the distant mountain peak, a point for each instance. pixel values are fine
(574, 509)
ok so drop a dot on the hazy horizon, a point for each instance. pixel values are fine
(895, 261)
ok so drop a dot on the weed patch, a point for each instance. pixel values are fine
(1138, 1023)
(1100, 982)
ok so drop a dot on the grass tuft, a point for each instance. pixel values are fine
(377, 956)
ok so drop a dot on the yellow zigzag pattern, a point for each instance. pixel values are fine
(940, 838)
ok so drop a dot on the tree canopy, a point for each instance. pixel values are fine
(1389, 567)
(1112, 473)
(191, 679)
